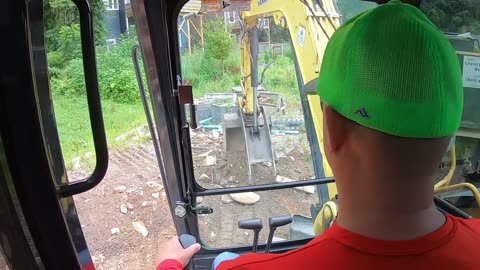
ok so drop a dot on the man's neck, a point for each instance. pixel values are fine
(390, 212)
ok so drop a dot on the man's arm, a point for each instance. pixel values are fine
(173, 256)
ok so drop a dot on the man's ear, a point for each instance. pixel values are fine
(335, 127)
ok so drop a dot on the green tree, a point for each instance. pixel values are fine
(63, 13)
(458, 16)
(218, 43)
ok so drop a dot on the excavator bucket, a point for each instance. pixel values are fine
(233, 134)
(238, 136)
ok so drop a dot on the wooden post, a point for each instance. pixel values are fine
(189, 37)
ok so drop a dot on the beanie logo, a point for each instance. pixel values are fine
(363, 113)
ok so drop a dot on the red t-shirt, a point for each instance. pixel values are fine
(456, 245)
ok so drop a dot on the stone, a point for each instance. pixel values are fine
(205, 154)
(226, 199)
(129, 206)
(123, 209)
(292, 158)
(115, 230)
(132, 189)
(154, 184)
(88, 155)
(203, 177)
(279, 155)
(144, 204)
(199, 200)
(139, 226)
(246, 197)
(156, 195)
(120, 189)
(307, 189)
(210, 160)
(268, 164)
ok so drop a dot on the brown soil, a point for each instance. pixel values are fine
(99, 212)
(99, 209)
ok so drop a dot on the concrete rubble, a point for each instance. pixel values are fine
(123, 209)
(226, 199)
(246, 197)
(139, 226)
(120, 189)
(115, 230)
(307, 189)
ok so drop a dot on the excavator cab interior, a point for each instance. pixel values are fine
(239, 153)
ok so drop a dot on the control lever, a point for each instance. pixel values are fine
(254, 224)
(187, 240)
(273, 224)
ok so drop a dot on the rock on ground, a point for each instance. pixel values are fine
(307, 189)
(139, 226)
(226, 199)
(246, 198)
(123, 209)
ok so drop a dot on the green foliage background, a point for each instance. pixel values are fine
(458, 16)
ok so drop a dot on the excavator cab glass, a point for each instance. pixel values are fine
(229, 92)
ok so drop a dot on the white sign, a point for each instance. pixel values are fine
(301, 36)
(471, 71)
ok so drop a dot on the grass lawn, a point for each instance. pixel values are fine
(74, 125)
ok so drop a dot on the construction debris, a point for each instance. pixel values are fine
(205, 154)
(210, 160)
(120, 189)
(129, 206)
(154, 184)
(203, 177)
(139, 226)
(226, 199)
(246, 198)
(123, 209)
(307, 189)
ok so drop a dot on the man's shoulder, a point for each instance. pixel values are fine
(472, 224)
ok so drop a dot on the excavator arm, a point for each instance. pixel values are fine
(310, 24)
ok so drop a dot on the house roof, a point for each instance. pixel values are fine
(191, 6)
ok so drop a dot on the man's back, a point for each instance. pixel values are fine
(454, 246)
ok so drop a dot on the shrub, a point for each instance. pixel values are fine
(218, 43)
(116, 75)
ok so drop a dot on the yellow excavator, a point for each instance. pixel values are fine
(310, 25)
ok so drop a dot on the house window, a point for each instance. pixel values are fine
(111, 4)
(266, 23)
(231, 16)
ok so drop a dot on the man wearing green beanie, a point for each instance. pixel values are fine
(392, 98)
